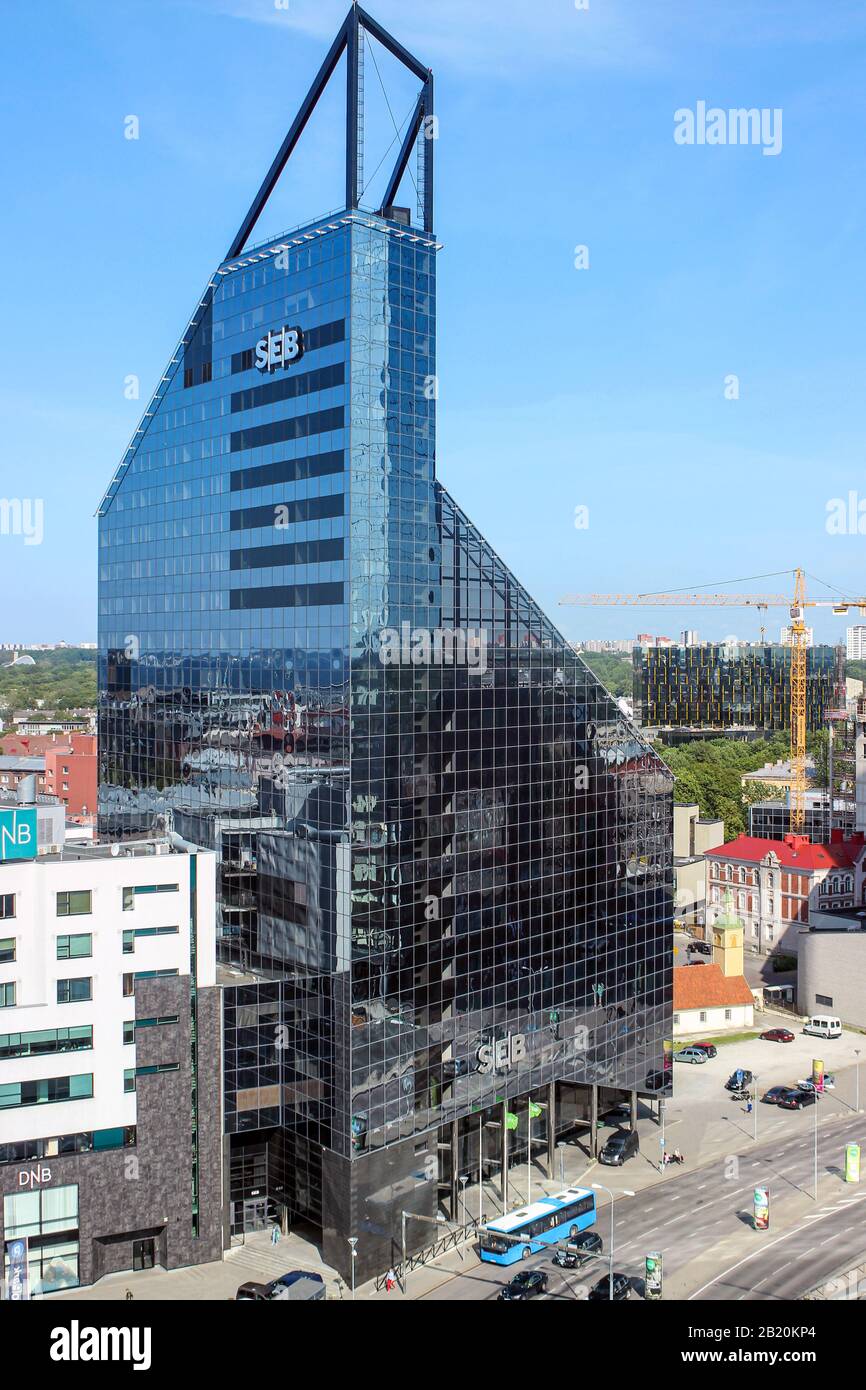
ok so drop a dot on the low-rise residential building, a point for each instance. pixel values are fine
(706, 1000)
(16, 769)
(110, 1074)
(776, 883)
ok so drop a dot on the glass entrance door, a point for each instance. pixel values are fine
(143, 1254)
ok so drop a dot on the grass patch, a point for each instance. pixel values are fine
(719, 1041)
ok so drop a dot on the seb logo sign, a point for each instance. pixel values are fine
(500, 1055)
(279, 349)
(18, 833)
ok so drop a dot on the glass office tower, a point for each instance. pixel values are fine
(445, 857)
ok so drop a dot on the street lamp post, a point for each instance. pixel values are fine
(815, 1145)
(755, 1104)
(857, 1082)
(353, 1241)
(561, 1148)
(600, 1187)
(464, 1178)
(662, 1139)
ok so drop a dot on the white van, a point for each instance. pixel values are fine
(823, 1026)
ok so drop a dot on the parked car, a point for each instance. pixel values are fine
(807, 1084)
(777, 1035)
(738, 1080)
(710, 1048)
(691, 1054)
(703, 948)
(601, 1290)
(579, 1251)
(796, 1099)
(824, 1026)
(622, 1145)
(774, 1095)
(529, 1283)
(254, 1293)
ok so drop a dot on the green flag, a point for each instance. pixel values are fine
(534, 1110)
(510, 1120)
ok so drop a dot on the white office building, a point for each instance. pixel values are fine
(109, 1062)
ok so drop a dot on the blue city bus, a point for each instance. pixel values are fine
(545, 1222)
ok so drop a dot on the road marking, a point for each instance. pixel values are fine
(761, 1249)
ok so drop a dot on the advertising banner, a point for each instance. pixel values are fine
(17, 1273)
(818, 1073)
(762, 1208)
(653, 1275)
(852, 1162)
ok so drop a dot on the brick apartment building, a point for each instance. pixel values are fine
(776, 883)
(65, 769)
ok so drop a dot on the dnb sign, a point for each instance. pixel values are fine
(18, 833)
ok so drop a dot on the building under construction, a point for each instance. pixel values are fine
(729, 687)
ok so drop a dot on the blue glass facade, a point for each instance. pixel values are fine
(436, 831)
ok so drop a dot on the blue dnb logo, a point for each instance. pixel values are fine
(18, 833)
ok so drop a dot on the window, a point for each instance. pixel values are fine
(45, 1041)
(77, 904)
(7, 996)
(152, 931)
(156, 1022)
(156, 1070)
(676, 1018)
(7, 949)
(825, 999)
(741, 875)
(75, 991)
(702, 1017)
(74, 947)
(129, 1079)
(129, 1032)
(129, 980)
(7, 905)
(130, 894)
(48, 1091)
(728, 1015)
(128, 942)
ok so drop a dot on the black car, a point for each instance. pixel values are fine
(529, 1283)
(774, 1095)
(622, 1145)
(795, 1100)
(738, 1081)
(601, 1290)
(579, 1251)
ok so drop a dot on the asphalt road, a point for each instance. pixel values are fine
(690, 1215)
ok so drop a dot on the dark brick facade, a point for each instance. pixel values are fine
(147, 1190)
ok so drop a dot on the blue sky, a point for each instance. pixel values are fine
(559, 387)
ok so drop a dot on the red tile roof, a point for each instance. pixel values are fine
(794, 852)
(705, 987)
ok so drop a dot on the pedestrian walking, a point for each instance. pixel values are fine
(390, 1280)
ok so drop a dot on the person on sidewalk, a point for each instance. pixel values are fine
(390, 1280)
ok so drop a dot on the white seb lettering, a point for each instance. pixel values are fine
(279, 349)
(502, 1054)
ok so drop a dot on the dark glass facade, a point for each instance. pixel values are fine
(728, 686)
(436, 832)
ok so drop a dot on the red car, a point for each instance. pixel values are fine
(777, 1035)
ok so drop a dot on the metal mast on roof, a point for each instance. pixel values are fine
(350, 40)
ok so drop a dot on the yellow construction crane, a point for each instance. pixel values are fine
(796, 640)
